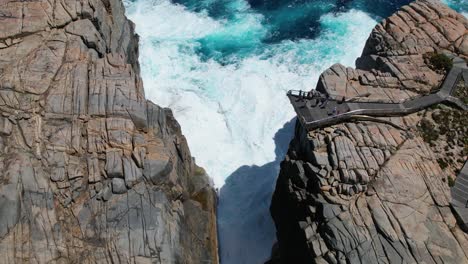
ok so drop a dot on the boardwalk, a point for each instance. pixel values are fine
(315, 112)
(460, 197)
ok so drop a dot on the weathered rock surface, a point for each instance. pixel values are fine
(91, 172)
(392, 66)
(370, 192)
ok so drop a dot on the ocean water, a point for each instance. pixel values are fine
(224, 67)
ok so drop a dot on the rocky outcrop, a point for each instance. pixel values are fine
(378, 192)
(393, 65)
(91, 172)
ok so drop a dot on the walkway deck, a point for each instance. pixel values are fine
(316, 111)
(460, 197)
(314, 114)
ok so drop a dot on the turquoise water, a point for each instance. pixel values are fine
(459, 5)
(224, 67)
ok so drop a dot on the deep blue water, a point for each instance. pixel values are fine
(224, 67)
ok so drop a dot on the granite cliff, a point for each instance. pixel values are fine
(91, 172)
(377, 191)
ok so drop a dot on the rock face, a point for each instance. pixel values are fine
(372, 192)
(91, 172)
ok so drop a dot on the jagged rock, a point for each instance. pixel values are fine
(94, 171)
(87, 31)
(393, 55)
(5, 126)
(320, 158)
(157, 168)
(76, 137)
(106, 193)
(387, 202)
(132, 173)
(76, 168)
(118, 186)
(139, 154)
(58, 174)
(114, 165)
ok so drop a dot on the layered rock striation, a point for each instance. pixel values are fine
(378, 192)
(91, 172)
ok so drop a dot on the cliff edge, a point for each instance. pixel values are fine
(91, 172)
(377, 190)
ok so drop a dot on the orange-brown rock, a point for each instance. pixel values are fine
(92, 172)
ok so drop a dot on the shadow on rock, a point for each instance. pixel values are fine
(246, 229)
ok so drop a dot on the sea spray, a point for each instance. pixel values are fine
(230, 111)
(224, 67)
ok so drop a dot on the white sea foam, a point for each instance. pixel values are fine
(166, 21)
(230, 113)
(244, 220)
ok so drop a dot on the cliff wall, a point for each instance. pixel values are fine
(373, 192)
(91, 172)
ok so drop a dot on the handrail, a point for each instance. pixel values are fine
(404, 107)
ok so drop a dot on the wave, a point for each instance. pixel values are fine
(224, 67)
(230, 112)
(231, 106)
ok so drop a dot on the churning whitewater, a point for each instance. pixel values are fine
(224, 67)
(227, 86)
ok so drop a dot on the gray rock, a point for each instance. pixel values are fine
(86, 30)
(156, 170)
(132, 173)
(5, 126)
(58, 174)
(94, 171)
(106, 193)
(118, 186)
(114, 166)
(320, 158)
(75, 127)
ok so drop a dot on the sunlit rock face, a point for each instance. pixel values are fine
(92, 172)
(374, 192)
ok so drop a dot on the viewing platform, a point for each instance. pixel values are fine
(315, 109)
